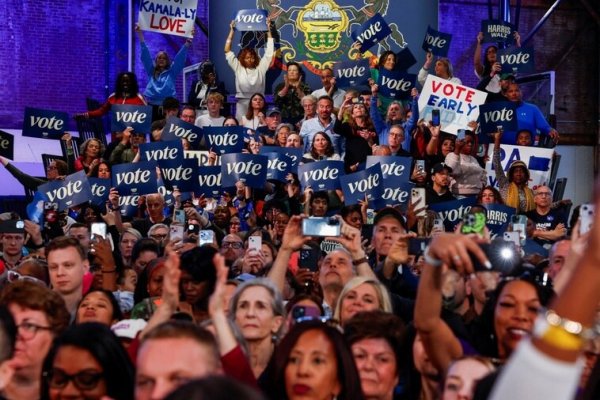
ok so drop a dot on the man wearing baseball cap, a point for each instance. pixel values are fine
(438, 191)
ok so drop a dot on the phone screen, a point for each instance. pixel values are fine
(435, 117)
(320, 227)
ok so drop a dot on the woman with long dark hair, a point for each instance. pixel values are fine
(127, 91)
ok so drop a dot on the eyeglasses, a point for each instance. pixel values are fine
(231, 245)
(28, 330)
(543, 194)
(159, 237)
(51, 167)
(87, 379)
(14, 276)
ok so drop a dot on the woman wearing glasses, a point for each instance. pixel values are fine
(40, 315)
(89, 362)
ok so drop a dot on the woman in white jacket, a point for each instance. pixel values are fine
(250, 70)
(470, 177)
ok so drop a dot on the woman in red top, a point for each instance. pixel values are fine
(127, 92)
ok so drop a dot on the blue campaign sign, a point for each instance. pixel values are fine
(179, 129)
(321, 175)
(371, 32)
(180, 174)
(437, 42)
(251, 20)
(368, 182)
(496, 31)
(498, 217)
(250, 169)
(395, 84)
(225, 139)
(351, 73)
(44, 124)
(7, 145)
(161, 151)
(396, 192)
(135, 179)
(452, 212)
(517, 60)
(100, 190)
(501, 113)
(129, 205)
(166, 193)
(405, 59)
(278, 167)
(393, 167)
(72, 191)
(209, 182)
(125, 115)
(293, 153)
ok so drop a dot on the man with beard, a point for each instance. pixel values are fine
(395, 116)
(438, 191)
(323, 122)
(232, 248)
(329, 88)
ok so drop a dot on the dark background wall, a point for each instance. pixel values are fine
(55, 53)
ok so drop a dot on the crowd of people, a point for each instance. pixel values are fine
(247, 305)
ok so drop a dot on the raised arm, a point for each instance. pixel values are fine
(227, 48)
(477, 64)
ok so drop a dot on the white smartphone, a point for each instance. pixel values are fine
(98, 229)
(438, 223)
(512, 237)
(586, 218)
(176, 232)
(206, 237)
(179, 217)
(255, 243)
(415, 195)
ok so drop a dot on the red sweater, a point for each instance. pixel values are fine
(113, 99)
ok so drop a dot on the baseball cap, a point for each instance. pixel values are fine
(273, 110)
(390, 212)
(439, 167)
(506, 76)
(12, 226)
(128, 328)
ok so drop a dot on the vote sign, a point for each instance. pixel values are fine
(321, 175)
(100, 190)
(366, 183)
(278, 167)
(496, 114)
(180, 174)
(135, 179)
(396, 85)
(250, 169)
(72, 191)
(351, 73)
(225, 139)
(452, 212)
(209, 182)
(498, 218)
(125, 115)
(517, 60)
(458, 104)
(7, 145)
(251, 20)
(44, 124)
(437, 42)
(371, 32)
(392, 167)
(161, 151)
(179, 129)
(167, 16)
(293, 153)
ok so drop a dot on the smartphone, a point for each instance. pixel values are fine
(438, 223)
(460, 134)
(435, 117)
(179, 217)
(309, 258)
(321, 226)
(176, 232)
(519, 224)
(473, 223)
(500, 128)
(206, 237)
(193, 229)
(420, 164)
(417, 246)
(255, 243)
(512, 237)
(415, 195)
(299, 312)
(98, 229)
(586, 218)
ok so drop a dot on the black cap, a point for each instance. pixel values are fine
(273, 110)
(439, 167)
(390, 212)
(12, 226)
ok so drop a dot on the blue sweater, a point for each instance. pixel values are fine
(163, 86)
(383, 128)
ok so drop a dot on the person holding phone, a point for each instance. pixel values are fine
(470, 177)
(439, 189)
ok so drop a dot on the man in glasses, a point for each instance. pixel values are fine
(550, 223)
(232, 248)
